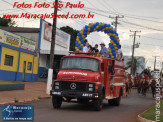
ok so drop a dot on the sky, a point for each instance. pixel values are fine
(141, 15)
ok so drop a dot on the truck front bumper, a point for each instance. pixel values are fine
(71, 94)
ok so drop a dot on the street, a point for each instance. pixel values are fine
(71, 112)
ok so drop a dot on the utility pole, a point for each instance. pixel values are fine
(115, 23)
(50, 71)
(155, 62)
(133, 48)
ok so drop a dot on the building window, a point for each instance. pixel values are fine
(29, 66)
(9, 60)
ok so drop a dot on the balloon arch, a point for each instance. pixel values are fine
(98, 26)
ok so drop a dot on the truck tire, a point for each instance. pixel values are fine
(116, 101)
(56, 101)
(98, 103)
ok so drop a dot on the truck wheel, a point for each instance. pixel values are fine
(116, 101)
(98, 103)
(57, 101)
(111, 102)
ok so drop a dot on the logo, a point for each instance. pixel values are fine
(73, 85)
(17, 112)
(8, 110)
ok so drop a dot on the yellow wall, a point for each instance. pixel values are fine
(15, 54)
(35, 69)
(25, 57)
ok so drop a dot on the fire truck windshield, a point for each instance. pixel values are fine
(80, 63)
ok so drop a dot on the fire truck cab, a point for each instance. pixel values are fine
(85, 78)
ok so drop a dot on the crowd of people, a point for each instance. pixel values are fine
(142, 82)
(104, 52)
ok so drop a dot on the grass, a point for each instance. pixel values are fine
(6, 83)
(16, 100)
(151, 113)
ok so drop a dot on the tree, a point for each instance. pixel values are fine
(73, 34)
(135, 66)
(148, 71)
(8, 22)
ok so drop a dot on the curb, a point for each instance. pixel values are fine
(28, 100)
(141, 119)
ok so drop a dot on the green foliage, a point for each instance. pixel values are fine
(148, 71)
(8, 22)
(73, 34)
(135, 66)
(39, 97)
(16, 100)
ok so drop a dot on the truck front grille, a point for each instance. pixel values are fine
(73, 86)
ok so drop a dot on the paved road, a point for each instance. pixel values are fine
(72, 112)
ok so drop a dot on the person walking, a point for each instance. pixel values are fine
(153, 87)
(144, 87)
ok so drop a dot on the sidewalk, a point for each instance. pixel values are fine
(32, 91)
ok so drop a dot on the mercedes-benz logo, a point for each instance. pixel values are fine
(73, 85)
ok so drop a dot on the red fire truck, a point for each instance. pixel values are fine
(85, 78)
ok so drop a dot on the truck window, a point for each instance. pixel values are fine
(102, 67)
(80, 63)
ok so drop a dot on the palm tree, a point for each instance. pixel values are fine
(136, 64)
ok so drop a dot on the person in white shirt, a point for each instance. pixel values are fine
(86, 48)
(119, 54)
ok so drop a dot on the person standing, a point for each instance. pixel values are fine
(103, 50)
(119, 54)
(86, 48)
(95, 49)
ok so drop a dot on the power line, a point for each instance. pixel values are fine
(152, 38)
(129, 16)
(115, 23)
(128, 22)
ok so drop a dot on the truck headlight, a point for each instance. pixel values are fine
(56, 83)
(56, 87)
(91, 85)
(90, 89)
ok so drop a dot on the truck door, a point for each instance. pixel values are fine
(102, 72)
(110, 79)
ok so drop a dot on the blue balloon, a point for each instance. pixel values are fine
(107, 31)
(111, 37)
(80, 37)
(85, 33)
(97, 23)
(80, 48)
(108, 25)
(76, 43)
(91, 30)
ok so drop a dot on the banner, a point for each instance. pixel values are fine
(62, 38)
(17, 41)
